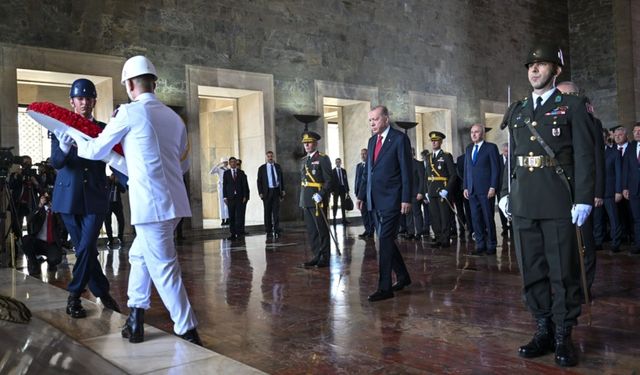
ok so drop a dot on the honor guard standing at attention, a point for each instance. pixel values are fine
(441, 175)
(314, 198)
(551, 188)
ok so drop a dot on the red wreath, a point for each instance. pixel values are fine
(71, 119)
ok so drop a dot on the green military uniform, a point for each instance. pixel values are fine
(440, 174)
(316, 177)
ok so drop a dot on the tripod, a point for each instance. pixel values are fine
(7, 205)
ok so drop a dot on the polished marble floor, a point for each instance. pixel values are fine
(462, 315)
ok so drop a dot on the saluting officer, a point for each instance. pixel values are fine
(552, 187)
(441, 176)
(314, 198)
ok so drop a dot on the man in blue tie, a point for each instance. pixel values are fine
(271, 191)
(480, 183)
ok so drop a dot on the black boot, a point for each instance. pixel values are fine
(191, 336)
(542, 341)
(134, 327)
(566, 355)
(74, 307)
(110, 303)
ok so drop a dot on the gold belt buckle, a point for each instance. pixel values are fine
(534, 161)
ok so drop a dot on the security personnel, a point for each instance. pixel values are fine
(441, 176)
(316, 177)
(80, 195)
(552, 188)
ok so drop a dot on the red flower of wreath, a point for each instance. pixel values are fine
(71, 119)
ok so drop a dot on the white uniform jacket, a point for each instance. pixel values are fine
(155, 144)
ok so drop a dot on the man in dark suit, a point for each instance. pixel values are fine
(367, 218)
(461, 204)
(81, 197)
(631, 183)
(115, 207)
(441, 178)
(340, 190)
(43, 238)
(480, 184)
(317, 184)
(612, 195)
(236, 194)
(388, 195)
(624, 210)
(271, 191)
(506, 224)
(414, 220)
(552, 188)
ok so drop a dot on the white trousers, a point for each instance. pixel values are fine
(153, 258)
(222, 207)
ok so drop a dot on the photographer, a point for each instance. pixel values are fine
(44, 229)
(46, 177)
(24, 193)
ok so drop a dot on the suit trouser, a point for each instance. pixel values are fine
(272, 211)
(336, 196)
(415, 224)
(318, 232)
(236, 213)
(153, 258)
(84, 230)
(484, 224)
(610, 208)
(367, 220)
(547, 252)
(390, 259)
(116, 209)
(440, 215)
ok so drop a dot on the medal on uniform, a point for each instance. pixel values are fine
(558, 99)
(439, 167)
(313, 172)
(555, 132)
(527, 120)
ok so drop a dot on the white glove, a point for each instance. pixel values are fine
(579, 213)
(443, 193)
(317, 198)
(64, 141)
(503, 204)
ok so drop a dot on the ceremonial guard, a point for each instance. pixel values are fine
(314, 198)
(441, 175)
(551, 188)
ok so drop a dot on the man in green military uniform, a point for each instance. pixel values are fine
(314, 199)
(441, 175)
(551, 188)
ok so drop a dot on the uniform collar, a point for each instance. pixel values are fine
(145, 96)
(547, 94)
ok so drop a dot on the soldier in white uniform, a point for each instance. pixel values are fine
(154, 140)
(219, 169)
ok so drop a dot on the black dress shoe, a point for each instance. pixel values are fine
(478, 253)
(322, 263)
(380, 295)
(232, 237)
(191, 336)
(311, 263)
(542, 341)
(134, 327)
(110, 303)
(565, 354)
(399, 285)
(74, 307)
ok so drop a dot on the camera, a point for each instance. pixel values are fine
(7, 159)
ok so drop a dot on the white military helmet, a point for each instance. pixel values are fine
(224, 160)
(137, 66)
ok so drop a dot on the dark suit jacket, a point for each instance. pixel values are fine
(337, 188)
(235, 189)
(599, 155)
(484, 174)
(36, 219)
(361, 168)
(388, 181)
(418, 185)
(81, 184)
(613, 172)
(631, 170)
(263, 179)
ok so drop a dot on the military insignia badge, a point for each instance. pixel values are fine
(558, 98)
(555, 132)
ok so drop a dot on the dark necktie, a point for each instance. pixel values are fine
(538, 105)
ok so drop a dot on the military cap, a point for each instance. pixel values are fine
(545, 53)
(614, 128)
(310, 136)
(436, 136)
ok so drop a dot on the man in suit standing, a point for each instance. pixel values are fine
(115, 207)
(271, 191)
(631, 183)
(388, 195)
(80, 196)
(317, 184)
(504, 155)
(612, 195)
(480, 183)
(624, 210)
(367, 218)
(415, 223)
(552, 188)
(236, 194)
(441, 178)
(340, 190)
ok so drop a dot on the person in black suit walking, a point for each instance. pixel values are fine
(340, 190)
(271, 191)
(367, 218)
(236, 194)
(388, 195)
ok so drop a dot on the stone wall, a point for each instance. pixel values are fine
(468, 49)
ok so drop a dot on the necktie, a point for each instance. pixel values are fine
(233, 173)
(50, 239)
(274, 180)
(340, 176)
(538, 105)
(474, 156)
(376, 150)
(621, 150)
(638, 153)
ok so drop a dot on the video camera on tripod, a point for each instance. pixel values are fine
(7, 160)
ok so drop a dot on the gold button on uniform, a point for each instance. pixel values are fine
(530, 169)
(532, 138)
(531, 153)
(534, 123)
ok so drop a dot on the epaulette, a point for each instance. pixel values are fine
(320, 153)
